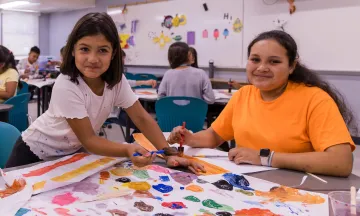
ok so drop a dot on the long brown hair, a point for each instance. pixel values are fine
(302, 74)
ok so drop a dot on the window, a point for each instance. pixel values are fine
(20, 31)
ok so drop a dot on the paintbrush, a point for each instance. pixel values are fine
(181, 148)
(211, 156)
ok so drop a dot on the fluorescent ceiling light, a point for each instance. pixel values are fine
(13, 4)
(113, 12)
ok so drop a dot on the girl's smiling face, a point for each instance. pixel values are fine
(93, 55)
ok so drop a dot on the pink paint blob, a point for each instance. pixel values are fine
(64, 199)
(158, 169)
(62, 212)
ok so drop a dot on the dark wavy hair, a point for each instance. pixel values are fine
(302, 74)
(90, 25)
(194, 53)
(178, 54)
(7, 58)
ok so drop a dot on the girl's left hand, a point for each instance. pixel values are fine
(175, 161)
(151, 83)
(140, 161)
(243, 155)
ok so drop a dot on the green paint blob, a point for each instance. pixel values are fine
(192, 198)
(212, 204)
(141, 174)
(247, 193)
(206, 212)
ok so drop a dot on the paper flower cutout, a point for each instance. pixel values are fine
(237, 26)
(162, 39)
(124, 40)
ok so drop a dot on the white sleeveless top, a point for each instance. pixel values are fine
(50, 135)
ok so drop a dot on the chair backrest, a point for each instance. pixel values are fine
(129, 76)
(173, 111)
(144, 76)
(9, 134)
(18, 115)
(24, 89)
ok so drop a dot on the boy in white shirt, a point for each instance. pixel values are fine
(30, 64)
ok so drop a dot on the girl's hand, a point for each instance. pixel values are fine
(243, 155)
(175, 135)
(151, 83)
(175, 161)
(235, 84)
(140, 161)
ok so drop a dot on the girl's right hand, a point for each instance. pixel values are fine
(139, 161)
(176, 133)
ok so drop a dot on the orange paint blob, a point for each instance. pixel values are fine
(39, 185)
(121, 171)
(194, 188)
(140, 186)
(17, 186)
(286, 194)
(104, 175)
(255, 212)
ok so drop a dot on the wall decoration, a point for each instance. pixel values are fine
(177, 38)
(191, 38)
(237, 26)
(205, 33)
(216, 34)
(167, 22)
(162, 39)
(226, 33)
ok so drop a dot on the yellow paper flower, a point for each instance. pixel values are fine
(182, 20)
(162, 39)
(123, 40)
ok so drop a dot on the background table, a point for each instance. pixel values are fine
(43, 89)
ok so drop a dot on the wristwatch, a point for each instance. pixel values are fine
(264, 156)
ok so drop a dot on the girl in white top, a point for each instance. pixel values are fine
(90, 85)
(29, 66)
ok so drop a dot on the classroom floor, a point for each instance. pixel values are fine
(115, 135)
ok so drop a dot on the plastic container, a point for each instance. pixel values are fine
(341, 203)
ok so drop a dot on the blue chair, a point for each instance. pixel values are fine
(129, 76)
(18, 115)
(144, 76)
(173, 111)
(9, 134)
(24, 89)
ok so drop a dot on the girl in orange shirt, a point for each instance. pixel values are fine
(288, 118)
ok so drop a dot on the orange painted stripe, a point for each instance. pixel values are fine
(43, 170)
(39, 185)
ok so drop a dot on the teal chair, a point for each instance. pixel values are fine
(144, 76)
(24, 88)
(9, 134)
(18, 115)
(173, 111)
(129, 76)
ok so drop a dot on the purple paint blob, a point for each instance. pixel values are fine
(101, 206)
(163, 188)
(88, 188)
(183, 177)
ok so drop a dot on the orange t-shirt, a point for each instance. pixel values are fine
(302, 119)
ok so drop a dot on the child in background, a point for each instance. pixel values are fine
(184, 80)
(8, 74)
(91, 83)
(58, 63)
(193, 58)
(29, 66)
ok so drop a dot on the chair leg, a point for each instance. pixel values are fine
(122, 131)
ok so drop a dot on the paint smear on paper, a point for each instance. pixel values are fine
(201, 181)
(141, 186)
(43, 170)
(158, 169)
(104, 175)
(164, 178)
(192, 199)
(237, 181)
(221, 192)
(286, 194)
(174, 205)
(88, 188)
(141, 174)
(292, 209)
(62, 211)
(163, 188)
(247, 193)
(212, 204)
(18, 185)
(143, 206)
(223, 214)
(117, 212)
(194, 188)
(224, 185)
(83, 169)
(163, 214)
(183, 177)
(121, 171)
(64, 199)
(143, 194)
(123, 180)
(101, 205)
(255, 212)
(39, 211)
(39, 185)
(253, 203)
(22, 211)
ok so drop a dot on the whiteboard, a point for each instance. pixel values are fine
(225, 52)
(327, 33)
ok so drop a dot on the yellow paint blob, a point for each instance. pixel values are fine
(194, 188)
(140, 186)
(39, 185)
(121, 171)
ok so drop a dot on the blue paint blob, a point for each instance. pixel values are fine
(163, 188)
(237, 181)
(292, 209)
(253, 203)
(158, 198)
(22, 211)
(164, 178)
(182, 188)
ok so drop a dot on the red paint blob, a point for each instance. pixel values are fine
(166, 194)
(255, 212)
(64, 199)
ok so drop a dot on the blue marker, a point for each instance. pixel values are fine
(153, 152)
